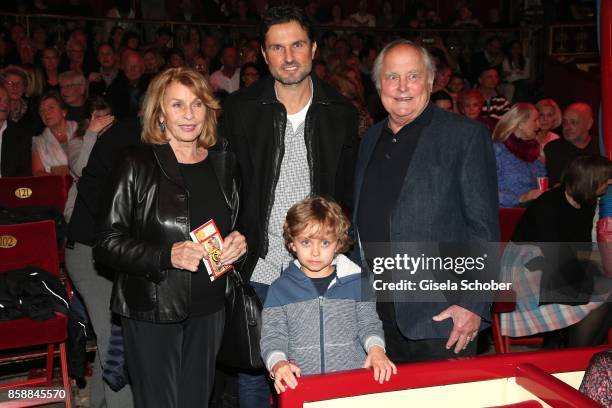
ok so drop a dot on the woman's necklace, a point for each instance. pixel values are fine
(60, 134)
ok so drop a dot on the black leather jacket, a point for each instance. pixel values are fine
(147, 212)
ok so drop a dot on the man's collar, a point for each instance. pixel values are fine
(423, 119)
(319, 94)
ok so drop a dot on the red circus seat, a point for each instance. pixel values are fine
(47, 191)
(508, 219)
(23, 245)
(44, 191)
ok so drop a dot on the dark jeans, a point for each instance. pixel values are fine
(254, 387)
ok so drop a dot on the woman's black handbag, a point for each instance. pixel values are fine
(240, 346)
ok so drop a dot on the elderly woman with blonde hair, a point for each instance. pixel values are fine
(171, 312)
(517, 152)
(550, 120)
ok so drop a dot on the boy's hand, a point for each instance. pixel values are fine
(287, 372)
(378, 360)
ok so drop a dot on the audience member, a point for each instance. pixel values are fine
(126, 93)
(57, 146)
(199, 64)
(362, 18)
(163, 39)
(350, 91)
(516, 73)
(175, 58)
(22, 110)
(517, 152)
(443, 100)
(456, 85)
(491, 57)
(75, 53)
(559, 293)
(130, 40)
(550, 120)
(388, 19)
(100, 118)
(93, 281)
(343, 49)
(470, 103)
(210, 48)
(153, 61)
(115, 37)
(249, 74)
(576, 141)
(465, 18)
(15, 143)
(495, 104)
(442, 78)
(50, 62)
(108, 70)
(73, 89)
(227, 77)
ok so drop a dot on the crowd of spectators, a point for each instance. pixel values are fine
(60, 89)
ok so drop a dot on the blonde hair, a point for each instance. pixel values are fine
(508, 123)
(153, 108)
(324, 214)
(35, 82)
(556, 111)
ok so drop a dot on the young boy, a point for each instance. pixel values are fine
(314, 320)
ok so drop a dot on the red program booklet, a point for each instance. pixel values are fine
(209, 235)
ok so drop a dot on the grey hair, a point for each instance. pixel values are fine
(430, 66)
(72, 76)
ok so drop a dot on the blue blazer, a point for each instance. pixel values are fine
(449, 194)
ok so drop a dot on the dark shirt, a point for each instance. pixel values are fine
(382, 184)
(551, 218)
(559, 153)
(206, 202)
(562, 232)
(321, 284)
(77, 113)
(385, 176)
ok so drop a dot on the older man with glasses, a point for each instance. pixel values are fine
(73, 89)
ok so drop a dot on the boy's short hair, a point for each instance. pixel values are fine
(324, 212)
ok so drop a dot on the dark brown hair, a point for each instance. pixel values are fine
(584, 176)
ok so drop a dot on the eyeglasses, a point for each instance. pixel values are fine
(13, 83)
(69, 86)
(200, 67)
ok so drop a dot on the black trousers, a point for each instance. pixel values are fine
(401, 349)
(172, 365)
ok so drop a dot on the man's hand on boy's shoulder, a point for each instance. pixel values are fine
(285, 374)
(380, 363)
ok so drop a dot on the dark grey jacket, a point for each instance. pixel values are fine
(449, 194)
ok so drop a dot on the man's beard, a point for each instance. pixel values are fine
(295, 81)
